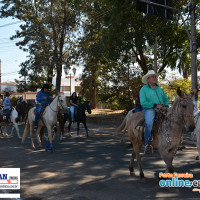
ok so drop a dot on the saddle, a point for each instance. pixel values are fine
(34, 112)
(160, 115)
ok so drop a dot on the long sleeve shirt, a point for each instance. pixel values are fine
(150, 97)
(40, 97)
(6, 103)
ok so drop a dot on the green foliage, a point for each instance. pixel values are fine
(171, 87)
(13, 100)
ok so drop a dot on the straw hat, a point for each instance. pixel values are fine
(146, 76)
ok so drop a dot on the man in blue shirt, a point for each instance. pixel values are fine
(43, 99)
(7, 106)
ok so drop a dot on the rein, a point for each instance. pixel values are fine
(60, 104)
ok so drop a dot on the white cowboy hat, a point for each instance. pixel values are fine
(146, 76)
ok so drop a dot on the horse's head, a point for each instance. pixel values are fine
(61, 102)
(87, 106)
(187, 108)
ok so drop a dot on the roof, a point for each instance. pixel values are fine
(9, 83)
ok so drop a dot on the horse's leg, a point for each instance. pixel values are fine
(168, 158)
(78, 123)
(49, 129)
(39, 136)
(198, 144)
(15, 125)
(31, 135)
(136, 154)
(86, 129)
(69, 126)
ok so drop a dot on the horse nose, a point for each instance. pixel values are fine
(191, 128)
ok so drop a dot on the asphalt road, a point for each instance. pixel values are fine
(94, 168)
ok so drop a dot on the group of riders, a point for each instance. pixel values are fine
(43, 99)
(151, 96)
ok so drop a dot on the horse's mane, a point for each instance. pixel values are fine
(174, 112)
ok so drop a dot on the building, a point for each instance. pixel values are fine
(66, 88)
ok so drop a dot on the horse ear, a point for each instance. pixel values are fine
(194, 91)
(179, 92)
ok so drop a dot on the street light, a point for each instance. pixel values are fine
(130, 57)
(66, 70)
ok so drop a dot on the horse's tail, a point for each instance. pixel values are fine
(121, 127)
(26, 131)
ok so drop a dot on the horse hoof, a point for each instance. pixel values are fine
(197, 158)
(141, 175)
(132, 174)
(131, 169)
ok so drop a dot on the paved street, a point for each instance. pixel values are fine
(92, 168)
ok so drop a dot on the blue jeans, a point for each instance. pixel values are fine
(138, 109)
(39, 109)
(7, 111)
(149, 115)
(72, 108)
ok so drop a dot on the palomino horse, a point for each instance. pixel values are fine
(80, 116)
(14, 119)
(169, 132)
(123, 126)
(48, 119)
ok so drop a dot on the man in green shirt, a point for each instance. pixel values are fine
(151, 96)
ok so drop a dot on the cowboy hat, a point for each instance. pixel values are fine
(47, 86)
(146, 76)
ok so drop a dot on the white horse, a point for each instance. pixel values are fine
(14, 119)
(197, 132)
(48, 119)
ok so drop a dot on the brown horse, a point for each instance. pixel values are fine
(169, 133)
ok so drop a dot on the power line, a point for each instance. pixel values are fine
(17, 22)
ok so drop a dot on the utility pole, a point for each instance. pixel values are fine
(0, 76)
(155, 55)
(193, 53)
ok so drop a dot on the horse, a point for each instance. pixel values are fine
(22, 109)
(169, 132)
(123, 126)
(48, 119)
(80, 116)
(197, 132)
(14, 120)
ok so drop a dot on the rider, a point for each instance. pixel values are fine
(73, 105)
(20, 100)
(151, 96)
(7, 107)
(1, 102)
(42, 99)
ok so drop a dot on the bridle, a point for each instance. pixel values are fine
(60, 102)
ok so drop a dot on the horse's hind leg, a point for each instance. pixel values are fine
(31, 136)
(69, 126)
(39, 136)
(136, 154)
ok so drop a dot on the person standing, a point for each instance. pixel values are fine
(151, 96)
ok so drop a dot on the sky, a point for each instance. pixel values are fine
(11, 56)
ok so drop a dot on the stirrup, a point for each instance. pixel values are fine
(148, 149)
